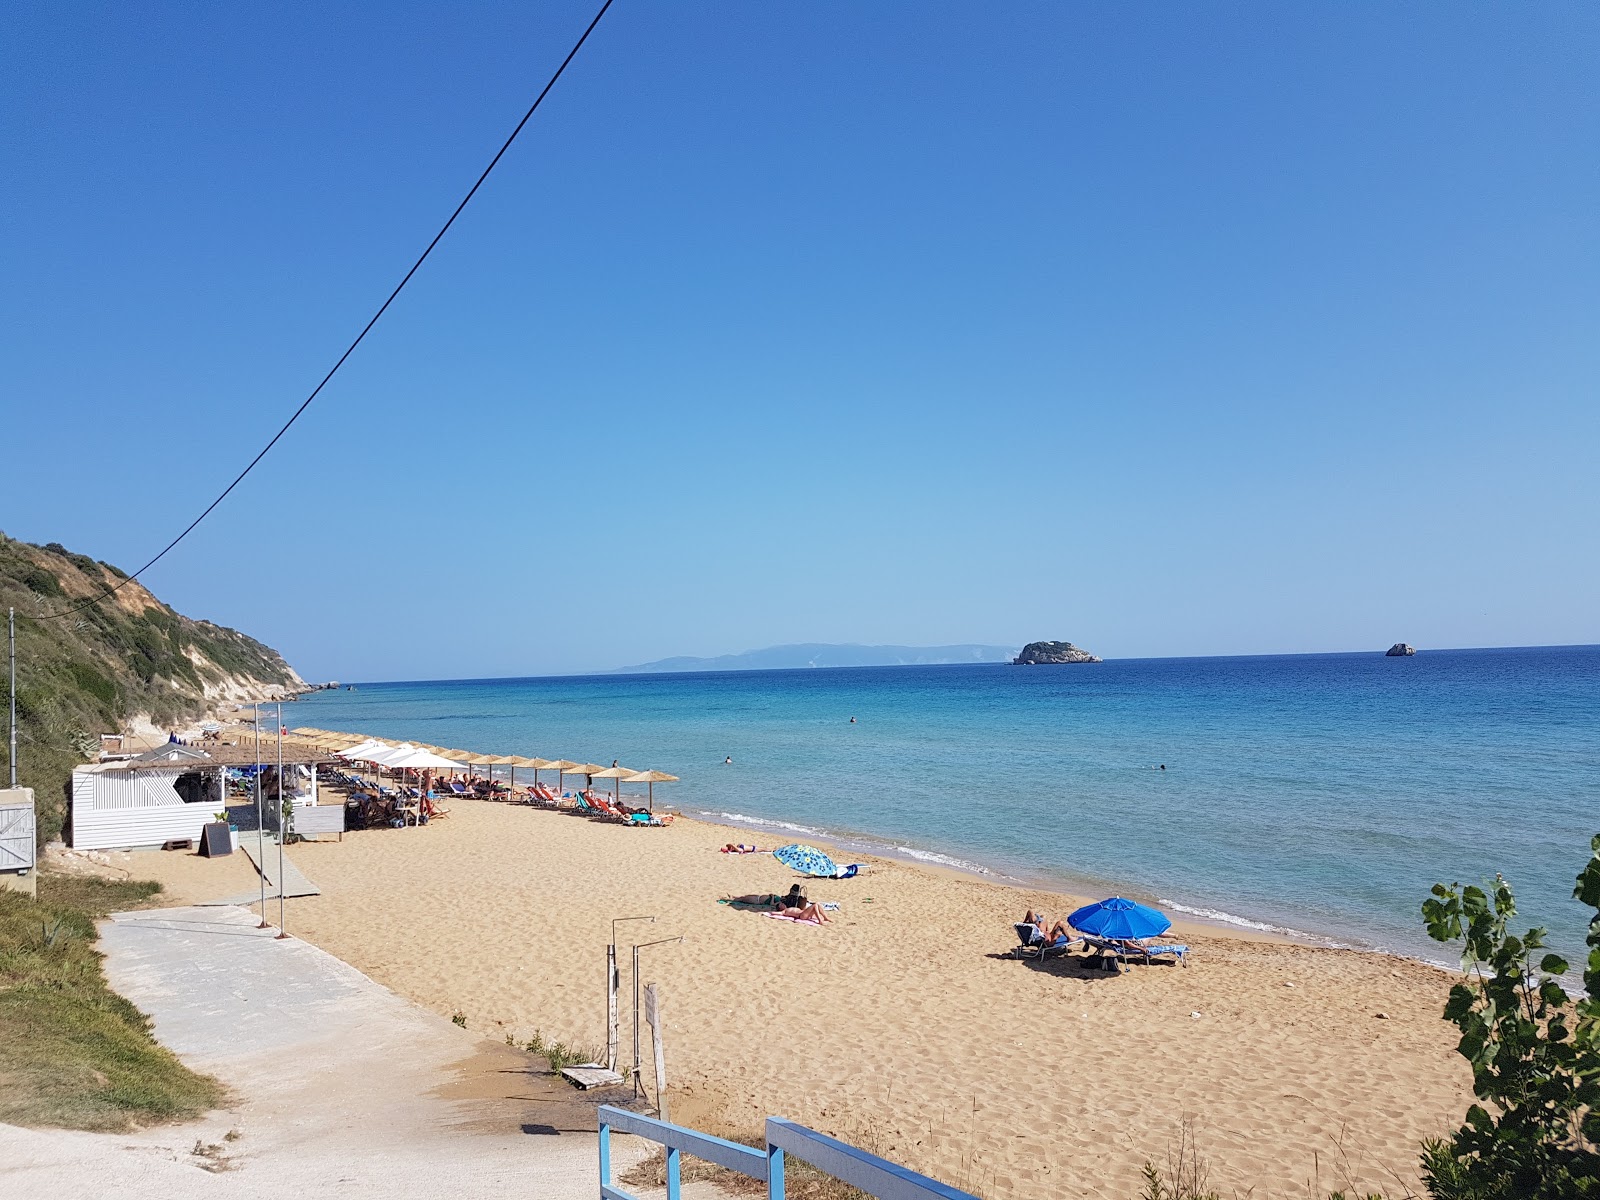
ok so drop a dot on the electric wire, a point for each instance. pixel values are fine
(305, 404)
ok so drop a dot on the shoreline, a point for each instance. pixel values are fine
(905, 1025)
(1059, 881)
(1067, 882)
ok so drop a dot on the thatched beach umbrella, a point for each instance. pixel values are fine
(587, 770)
(652, 778)
(504, 760)
(616, 775)
(538, 764)
(562, 766)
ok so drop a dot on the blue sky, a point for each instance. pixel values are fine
(1169, 330)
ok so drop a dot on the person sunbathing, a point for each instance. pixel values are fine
(811, 912)
(793, 898)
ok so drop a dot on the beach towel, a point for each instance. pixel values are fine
(795, 920)
(849, 872)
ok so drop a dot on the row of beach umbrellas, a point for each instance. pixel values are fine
(423, 757)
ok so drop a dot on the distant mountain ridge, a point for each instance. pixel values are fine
(823, 654)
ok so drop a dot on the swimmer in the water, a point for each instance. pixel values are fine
(852, 720)
(728, 761)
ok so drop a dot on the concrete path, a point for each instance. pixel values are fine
(266, 865)
(341, 1088)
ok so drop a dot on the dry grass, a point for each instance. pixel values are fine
(1186, 1176)
(76, 1054)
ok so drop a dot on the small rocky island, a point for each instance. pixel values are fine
(1037, 653)
(1400, 650)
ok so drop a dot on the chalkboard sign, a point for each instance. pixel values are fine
(214, 840)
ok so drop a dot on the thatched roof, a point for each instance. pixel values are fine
(220, 754)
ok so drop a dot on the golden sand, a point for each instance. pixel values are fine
(905, 1025)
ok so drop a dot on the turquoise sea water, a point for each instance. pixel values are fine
(1322, 794)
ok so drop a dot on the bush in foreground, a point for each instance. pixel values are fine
(1534, 1050)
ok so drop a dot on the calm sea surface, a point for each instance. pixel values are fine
(1322, 794)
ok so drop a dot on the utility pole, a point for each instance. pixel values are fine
(11, 626)
(282, 822)
(261, 827)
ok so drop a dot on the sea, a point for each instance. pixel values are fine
(1318, 795)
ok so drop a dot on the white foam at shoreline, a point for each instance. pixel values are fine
(865, 845)
(1227, 918)
(943, 860)
(742, 819)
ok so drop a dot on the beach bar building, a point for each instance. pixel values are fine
(174, 791)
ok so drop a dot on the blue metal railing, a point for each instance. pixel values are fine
(876, 1176)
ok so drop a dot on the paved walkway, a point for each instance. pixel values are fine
(266, 864)
(341, 1087)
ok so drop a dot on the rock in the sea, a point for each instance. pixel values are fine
(1035, 653)
(1400, 650)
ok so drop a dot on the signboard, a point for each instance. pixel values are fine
(214, 840)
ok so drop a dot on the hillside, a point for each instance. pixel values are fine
(126, 660)
(819, 654)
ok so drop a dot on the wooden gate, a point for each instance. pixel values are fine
(16, 837)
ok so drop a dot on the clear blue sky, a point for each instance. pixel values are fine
(1198, 329)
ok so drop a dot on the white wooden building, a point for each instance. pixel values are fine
(169, 793)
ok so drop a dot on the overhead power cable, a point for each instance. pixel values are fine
(349, 350)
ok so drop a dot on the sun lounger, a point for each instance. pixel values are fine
(1115, 953)
(1032, 943)
(1028, 936)
(603, 807)
(649, 819)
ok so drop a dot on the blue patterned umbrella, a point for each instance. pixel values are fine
(1119, 918)
(808, 860)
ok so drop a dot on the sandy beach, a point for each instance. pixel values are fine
(905, 1025)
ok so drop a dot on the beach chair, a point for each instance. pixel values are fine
(1115, 955)
(1033, 944)
(650, 820)
(612, 811)
(430, 809)
(1028, 936)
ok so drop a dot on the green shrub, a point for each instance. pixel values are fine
(42, 582)
(1534, 1050)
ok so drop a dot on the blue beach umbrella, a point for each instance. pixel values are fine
(1119, 918)
(808, 860)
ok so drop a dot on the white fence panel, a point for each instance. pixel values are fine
(16, 837)
(319, 818)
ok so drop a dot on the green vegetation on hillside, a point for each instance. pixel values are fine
(77, 1055)
(95, 670)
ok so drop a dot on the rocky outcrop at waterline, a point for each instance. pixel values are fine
(1400, 650)
(1050, 653)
